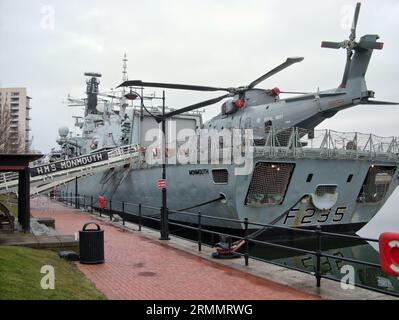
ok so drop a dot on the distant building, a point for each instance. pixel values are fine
(14, 120)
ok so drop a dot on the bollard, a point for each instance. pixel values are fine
(110, 210)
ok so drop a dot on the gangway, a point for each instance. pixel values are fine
(44, 177)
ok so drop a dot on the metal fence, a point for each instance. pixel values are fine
(135, 210)
(300, 142)
(291, 142)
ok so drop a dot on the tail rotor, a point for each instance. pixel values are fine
(352, 45)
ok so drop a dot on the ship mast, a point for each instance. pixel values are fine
(124, 72)
(124, 78)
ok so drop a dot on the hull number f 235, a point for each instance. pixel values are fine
(322, 216)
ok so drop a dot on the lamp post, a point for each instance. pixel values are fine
(76, 179)
(164, 209)
(132, 95)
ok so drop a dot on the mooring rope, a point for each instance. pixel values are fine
(203, 203)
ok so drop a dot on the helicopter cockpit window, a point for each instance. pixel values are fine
(268, 126)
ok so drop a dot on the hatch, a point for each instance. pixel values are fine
(325, 196)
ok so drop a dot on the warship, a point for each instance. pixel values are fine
(283, 171)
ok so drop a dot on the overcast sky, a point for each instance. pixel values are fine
(46, 46)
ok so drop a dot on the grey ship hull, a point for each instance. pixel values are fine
(188, 185)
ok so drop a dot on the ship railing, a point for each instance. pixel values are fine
(139, 213)
(123, 150)
(6, 178)
(116, 156)
(300, 143)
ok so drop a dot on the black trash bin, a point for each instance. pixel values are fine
(91, 244)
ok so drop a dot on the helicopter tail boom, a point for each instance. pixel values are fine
(356, 68)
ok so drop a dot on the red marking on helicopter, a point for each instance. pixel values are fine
(336, 103)
(239, 103)
(275, 92)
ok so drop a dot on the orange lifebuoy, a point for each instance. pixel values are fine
(389, 253)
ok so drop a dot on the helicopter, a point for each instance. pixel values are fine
(250, 107)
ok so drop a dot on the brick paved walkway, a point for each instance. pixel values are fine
(140, 268)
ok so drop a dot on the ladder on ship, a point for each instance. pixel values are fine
(45, 177)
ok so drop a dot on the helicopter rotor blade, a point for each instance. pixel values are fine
(139, 83)
(195, 106)
(277, 69)
(370, 45)
(347, 43)
(352, 35)
(377, 102)
(331, 44)
(295, 92)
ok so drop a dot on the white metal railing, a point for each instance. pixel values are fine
(330, 143)
(116, 157)
(298, 142)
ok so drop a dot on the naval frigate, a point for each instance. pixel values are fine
(298, 176)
